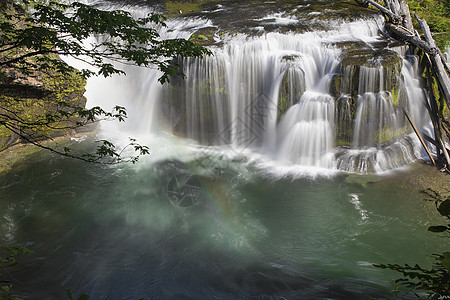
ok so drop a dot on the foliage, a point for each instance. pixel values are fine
(433, 283)
(62, 29)
(34, 33)
(72, 297)
(437, 15)
(10, 260)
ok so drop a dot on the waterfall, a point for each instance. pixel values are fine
(306, 132)
(382, 139)
(299, 99)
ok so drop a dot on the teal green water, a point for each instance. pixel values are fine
(116, 232)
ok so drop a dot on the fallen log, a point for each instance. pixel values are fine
(393, 18)
(400, 33)
(447, 130)
(437, 58)
(400, 28)
(435, 115)
(430, 140)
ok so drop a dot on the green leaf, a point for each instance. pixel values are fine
(446, 262)
(69, 294)
(444, 208)
(35, 32)
(437, 228)
(84, 297)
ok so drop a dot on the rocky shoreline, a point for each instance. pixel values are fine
(424, 176)
(12, 155)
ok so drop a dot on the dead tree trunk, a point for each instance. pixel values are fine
(399, 27)
(438, 62)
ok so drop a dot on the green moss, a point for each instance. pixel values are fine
(204, 36)
(442, 106)
(442, 40)
(395, 96)
(437, 15)
(291, 89)
(388, 134)
(343, 143)
(370, 58)
(335, 87)
(283, 105)
(345, 114)
(55, 93)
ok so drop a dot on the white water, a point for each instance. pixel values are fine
(232, 99)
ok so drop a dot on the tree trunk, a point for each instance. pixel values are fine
(399, 26)
(420, 138)
(437, 63)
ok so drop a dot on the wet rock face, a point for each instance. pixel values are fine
(356, 60)
(251, 17)
(291, 89)
(32, 97)
(366, 72)
(370, 58)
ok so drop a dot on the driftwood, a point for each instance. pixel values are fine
(393, 18)
(420, 138)
(399, 27)
(433, 110)
(402, 34)
(437, 62)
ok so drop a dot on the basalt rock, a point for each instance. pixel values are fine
(31, 98)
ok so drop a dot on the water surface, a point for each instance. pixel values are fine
(119, 232)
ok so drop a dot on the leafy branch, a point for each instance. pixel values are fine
(33, 34)
(55, 28)
(9, 261)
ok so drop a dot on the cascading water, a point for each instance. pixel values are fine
(306, 132)
(201, 217)
(381, 139)
(306, 99)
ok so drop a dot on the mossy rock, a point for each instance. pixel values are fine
(387, 135)
(335, 86)
(291, 89)
(345, 114)
(371, 58)
(204, 37)
(352, 60)
(36, 101)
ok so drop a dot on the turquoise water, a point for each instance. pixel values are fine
(119, 232)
